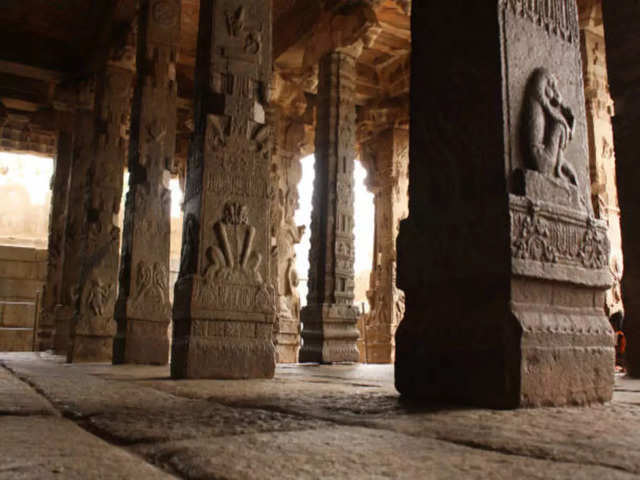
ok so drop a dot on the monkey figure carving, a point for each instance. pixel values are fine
(549, 127)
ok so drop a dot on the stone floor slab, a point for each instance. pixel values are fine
(354, 453)
(55, 448)
(18, 398)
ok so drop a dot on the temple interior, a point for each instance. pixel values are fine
(265, 239)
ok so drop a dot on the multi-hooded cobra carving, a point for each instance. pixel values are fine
(234, 260)
(549, 127)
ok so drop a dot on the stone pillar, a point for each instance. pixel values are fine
(503, 265)
(286, 234)
(143, 309)
(387, 160)
(224, 303)
(60, 184)
(602, 160)
(93, 326)
(329, 319)
(76, 229)
(621, 28)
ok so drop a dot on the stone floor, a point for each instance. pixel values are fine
(100, 421)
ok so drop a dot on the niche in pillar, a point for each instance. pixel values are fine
(503, 264)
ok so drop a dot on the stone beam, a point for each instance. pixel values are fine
(224, 306)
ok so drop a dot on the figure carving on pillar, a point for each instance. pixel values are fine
(550, 127)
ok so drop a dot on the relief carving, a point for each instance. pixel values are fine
(165, 13)
(234, 260)
(100, 297)
(550, 126)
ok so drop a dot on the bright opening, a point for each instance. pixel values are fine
(364, 230)
(26, 197)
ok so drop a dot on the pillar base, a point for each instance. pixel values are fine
(91, 349)
(287, 341)
(537, 338)
(329, 334)
(146, 343)
(222, 350)
(61, 338)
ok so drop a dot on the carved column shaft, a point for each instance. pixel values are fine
(224, 303)
(93, 326)
(287, 171)
(75, 229)
(143, 310)
(621, 20)
(503, 265)
(388, 162)
(602, 159)
(329, 319)
(57, 226)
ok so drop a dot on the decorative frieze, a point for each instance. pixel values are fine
(557, 17)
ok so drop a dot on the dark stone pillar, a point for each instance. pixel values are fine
(143, 309)
(93, 326)
(329, 320)
(76, 229)
(503, 265)
(57, 225)
(224, 305)
(622, 32)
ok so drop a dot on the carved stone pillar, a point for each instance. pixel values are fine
(602, 160)
(224, 305)
(93, 326)
(143, 309)
(621, 22)
(329, 319)
(286, 234)
(503, 265)
(76, 229)
(57, 225)
(387, 159)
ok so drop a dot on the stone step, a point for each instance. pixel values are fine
(16, 339)
(22, 270)
(17, 314)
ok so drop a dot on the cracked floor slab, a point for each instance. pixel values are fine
(328, 421)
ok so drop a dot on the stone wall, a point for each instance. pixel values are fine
(22, 275)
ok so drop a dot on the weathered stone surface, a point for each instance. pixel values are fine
(318, 421)
(224, 305)
(57, 227)
(387, 161)
(480, 275)
(93, 327)
(370, 454)
(76, 230)
(143, 308)
(329, 319)
(68, 452)
(18, 398)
